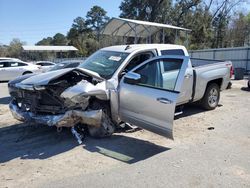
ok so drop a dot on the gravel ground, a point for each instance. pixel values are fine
(210, 149)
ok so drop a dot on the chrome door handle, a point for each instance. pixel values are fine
(164, 100)
(188, 75)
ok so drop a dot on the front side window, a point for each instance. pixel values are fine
(149, 74)
(169, 73)
(105, 63)
(161, 74)
(2, 64)
(13, 64)
(138, 59)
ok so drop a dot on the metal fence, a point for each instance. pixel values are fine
(239, 56)
(58, 60)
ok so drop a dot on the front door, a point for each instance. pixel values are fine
(150, 101)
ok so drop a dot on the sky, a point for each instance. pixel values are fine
(32, 20)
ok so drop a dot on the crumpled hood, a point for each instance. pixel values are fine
(45, 78)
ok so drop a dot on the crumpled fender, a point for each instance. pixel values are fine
(84, 89)
(69, 119)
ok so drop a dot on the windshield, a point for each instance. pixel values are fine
(105, 63)
(58, 66)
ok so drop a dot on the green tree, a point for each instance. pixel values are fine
(147, 10)
(79, 25)
(59, 39)
(45, 41)
(208, 19)
(239, 30)
(79, 28)
(96, 18)
(3, 50)
(15, 48)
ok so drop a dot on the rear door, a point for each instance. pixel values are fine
(14, 69)
(3, 71)
(150, 102)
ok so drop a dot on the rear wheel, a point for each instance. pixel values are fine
(211, 98)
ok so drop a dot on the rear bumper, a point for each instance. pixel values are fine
(68, 119)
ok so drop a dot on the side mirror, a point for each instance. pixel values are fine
(132, 78)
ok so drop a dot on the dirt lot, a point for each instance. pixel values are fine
(211, 149)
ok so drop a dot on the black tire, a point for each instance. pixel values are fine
(107, 127)
(211, 97)
(27, 72)
(248, 84)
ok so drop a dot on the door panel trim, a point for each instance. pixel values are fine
(173, 91)
(166, 132)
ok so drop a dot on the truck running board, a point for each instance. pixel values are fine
(178, 110)
(178, 113)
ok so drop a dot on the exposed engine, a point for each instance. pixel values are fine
(47, 99)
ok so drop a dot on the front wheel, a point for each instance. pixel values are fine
(211, 98)
(106, 129)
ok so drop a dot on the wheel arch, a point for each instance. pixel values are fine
(217, 81)
(27, 72)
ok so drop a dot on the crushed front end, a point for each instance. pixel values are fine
(62, 99)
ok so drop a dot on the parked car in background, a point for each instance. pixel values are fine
(45, 65)
(248, 83)
(66, 64)
(9, 58)
(12, 68)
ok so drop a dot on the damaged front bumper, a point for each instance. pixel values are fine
(68, 119)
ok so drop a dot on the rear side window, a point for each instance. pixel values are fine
(45, 64)
(15, 64)
(172, 52)
(22, 64)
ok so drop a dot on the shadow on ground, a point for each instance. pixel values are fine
(42, 142)
(123, 148)
(5, 100)
(245, 89)
(192, 109)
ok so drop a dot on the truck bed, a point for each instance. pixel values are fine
(206, 70)
(196, 62)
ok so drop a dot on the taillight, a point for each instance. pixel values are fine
(231, 71)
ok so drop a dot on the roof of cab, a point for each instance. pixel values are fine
(133, 47)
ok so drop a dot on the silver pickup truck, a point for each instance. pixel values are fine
(141, 85)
